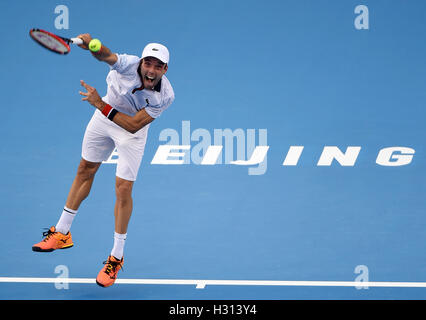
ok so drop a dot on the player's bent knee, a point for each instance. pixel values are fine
(87, 169)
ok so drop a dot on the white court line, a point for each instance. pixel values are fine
(201, 284)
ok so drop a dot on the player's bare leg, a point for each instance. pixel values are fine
(122, 211)
(82, 183)
(123, 205)
(59, 237)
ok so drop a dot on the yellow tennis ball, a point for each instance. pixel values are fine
(95, 45)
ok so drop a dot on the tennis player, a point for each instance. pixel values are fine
(138, 92)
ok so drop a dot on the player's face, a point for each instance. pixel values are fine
(152, 70)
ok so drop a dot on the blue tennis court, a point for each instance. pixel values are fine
(321, 102)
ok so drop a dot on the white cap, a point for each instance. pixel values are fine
(156, 50)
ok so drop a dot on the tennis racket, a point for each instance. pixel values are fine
(52, 41)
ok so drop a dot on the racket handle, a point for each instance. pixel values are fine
(76, 40)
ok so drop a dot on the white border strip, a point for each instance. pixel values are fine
(201, 284)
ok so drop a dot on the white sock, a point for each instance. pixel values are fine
(65, 221)
(118, 249)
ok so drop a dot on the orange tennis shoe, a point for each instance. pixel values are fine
(53, 240)
(108, 274)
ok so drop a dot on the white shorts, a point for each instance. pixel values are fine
(102, 136)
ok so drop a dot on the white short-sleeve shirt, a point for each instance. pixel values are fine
(123, 81)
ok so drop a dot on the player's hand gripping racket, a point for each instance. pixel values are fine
(53, 42)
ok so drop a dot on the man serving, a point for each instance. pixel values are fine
(138, 92)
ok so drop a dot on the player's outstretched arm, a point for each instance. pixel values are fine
(104, 54)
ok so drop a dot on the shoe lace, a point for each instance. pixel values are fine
(47, 234)
(112, 266)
